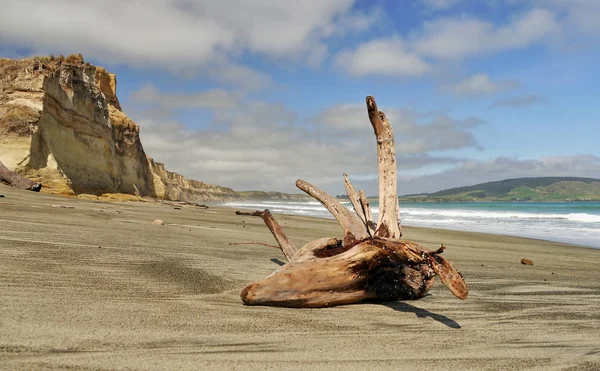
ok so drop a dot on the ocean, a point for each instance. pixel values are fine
(571, 222)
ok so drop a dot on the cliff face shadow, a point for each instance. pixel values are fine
(404, 307)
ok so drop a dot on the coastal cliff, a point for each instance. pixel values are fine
(173, 186)
(61, 124)
(59, 128)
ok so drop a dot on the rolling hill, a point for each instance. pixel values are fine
(542, 189)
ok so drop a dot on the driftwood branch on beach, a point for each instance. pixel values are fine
(17, 180)
(370, 262)
(286, 246)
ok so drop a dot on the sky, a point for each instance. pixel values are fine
(256, 94)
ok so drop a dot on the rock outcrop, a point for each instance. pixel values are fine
(79, 141)
(172, 186)
(61, 124)
(107, 82)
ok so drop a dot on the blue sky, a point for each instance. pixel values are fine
(254, 95)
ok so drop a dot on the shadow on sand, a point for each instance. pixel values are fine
(401, 306)
(278, 262)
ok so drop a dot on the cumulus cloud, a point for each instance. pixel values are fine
(259, 145)
(242, 77)
(455, 38)
(215, 99)
(480, 84)
(445, 39)
(582, 15)
(412, 135)
(382, 57)
(178, 34)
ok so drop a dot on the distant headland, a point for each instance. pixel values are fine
(540, 189)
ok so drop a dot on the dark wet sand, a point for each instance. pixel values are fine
(98, 286)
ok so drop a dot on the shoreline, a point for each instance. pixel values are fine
(120, 197)
(87, 284)
(124, 198)
(432, 228)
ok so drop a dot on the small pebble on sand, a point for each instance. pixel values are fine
(526, 261)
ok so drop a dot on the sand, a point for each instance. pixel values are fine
(98, 286)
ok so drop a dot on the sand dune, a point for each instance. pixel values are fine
(97, 286)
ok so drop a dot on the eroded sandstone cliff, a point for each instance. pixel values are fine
(173, 186)
(61, 124)
(79, 142)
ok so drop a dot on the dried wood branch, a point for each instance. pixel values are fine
(353, 228)
(371, 262)
(355, 200)
(389, 210)
(287, 247)
(364, 202)
(17, 180)
(253, 213)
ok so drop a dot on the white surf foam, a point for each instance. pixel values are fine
(577, 228)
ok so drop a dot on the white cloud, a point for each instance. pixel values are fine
(445, 39)
(180, 33)
(382, 57)
(456, 38)
(243, 77)
(413, 137)
(480, 84)
(216, 99)
(582, 15)
(258, 145)
(356, 22)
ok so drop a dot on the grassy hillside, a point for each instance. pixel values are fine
(544, 189)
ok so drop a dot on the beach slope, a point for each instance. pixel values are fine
(91, 285)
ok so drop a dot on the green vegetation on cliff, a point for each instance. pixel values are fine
(544, 189)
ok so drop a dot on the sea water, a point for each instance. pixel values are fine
(570, 222)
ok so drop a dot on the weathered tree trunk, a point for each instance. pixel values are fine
(389, 210)
(17, 180)
(369, 263)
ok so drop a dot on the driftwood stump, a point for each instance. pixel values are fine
(369, 262)
(17, 180)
